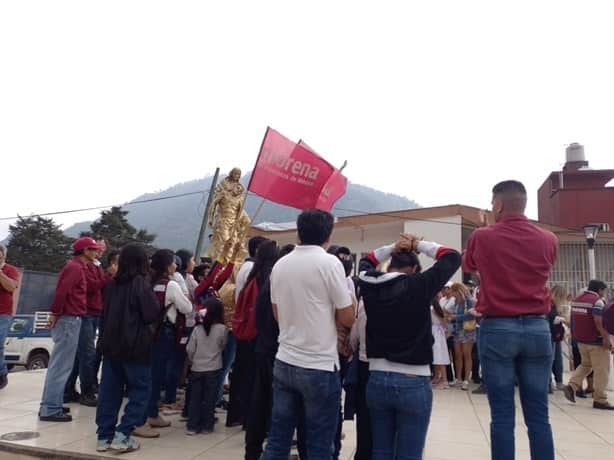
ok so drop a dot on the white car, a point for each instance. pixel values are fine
(29, 341)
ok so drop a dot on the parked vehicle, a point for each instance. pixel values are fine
(29, 341)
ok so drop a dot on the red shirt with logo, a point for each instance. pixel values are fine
(513, 258)
(70, 297)
(6, 297)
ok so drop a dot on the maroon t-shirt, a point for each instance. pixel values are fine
(70, 297)
(514, 258)
(6, 297)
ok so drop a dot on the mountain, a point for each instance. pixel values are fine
(176, 221)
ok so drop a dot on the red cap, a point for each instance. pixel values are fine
(86, 243)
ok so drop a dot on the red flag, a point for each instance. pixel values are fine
(293, 175)
(333, 189)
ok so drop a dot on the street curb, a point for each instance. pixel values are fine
(49, 454)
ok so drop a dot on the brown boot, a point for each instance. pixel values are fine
(158, 422)
(145, 431)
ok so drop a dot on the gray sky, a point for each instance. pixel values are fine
(103, 101)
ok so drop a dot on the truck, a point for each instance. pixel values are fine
(29, 341)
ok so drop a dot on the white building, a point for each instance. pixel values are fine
(451, 226)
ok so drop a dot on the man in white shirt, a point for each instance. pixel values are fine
(310, 297)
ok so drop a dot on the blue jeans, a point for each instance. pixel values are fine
(400, 409)
(116, 375)
(163, 349)
(5, 323)
(203, 392)
(315, 390)
(65, 337)
(557, 362)
(85, 360)
(517, 349)
(174, 368)
(228, 357)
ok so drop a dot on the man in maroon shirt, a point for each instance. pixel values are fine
(69, 305)
(9, 280)
(85, 366)
(513, 259)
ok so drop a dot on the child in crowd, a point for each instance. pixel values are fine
(204, 351)
(441, 357)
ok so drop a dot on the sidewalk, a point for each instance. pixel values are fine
(458, 431)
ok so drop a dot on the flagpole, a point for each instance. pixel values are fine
(260, 206)
(203, 225)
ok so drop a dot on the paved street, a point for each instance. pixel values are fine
(458, 430)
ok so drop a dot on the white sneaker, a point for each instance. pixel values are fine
(465, 385)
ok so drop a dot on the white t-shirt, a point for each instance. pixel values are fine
(308, 286)
(447, 303)
(241, 279)
(175, 300)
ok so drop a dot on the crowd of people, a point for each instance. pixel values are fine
(308, 345)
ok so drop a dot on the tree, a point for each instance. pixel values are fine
(38, 243)
(114, 228)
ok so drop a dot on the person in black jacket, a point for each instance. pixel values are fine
(126, 340)
(400, 341)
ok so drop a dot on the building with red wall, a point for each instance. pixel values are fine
(577, 195)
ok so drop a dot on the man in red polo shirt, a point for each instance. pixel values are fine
(9, 280)
(69, 305)
(513, 259)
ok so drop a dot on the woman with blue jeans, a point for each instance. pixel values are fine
(126, 341)
(399, 342)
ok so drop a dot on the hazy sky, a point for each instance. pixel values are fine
(103, 101)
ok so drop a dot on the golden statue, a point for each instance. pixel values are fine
(228, 220)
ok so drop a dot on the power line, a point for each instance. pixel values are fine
(55, 213)
(356, 213)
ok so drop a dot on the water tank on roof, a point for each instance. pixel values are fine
(575, 153)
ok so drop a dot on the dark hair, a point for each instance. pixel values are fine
(132, 263)
(437, 307)
(404, 258)
(199, 270)
(266, 256)
(78, 252)
(513, 194)
(285, 250)
(185, 257)
(215, 313)
(314, 226)
(509, 186)
(253, 243)
(111, 255)
(160, 262)
(596, 285)
(336, 250)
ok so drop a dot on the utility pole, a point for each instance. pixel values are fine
(203, 225)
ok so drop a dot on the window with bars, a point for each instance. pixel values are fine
(571, 268)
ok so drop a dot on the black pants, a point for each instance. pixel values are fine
(364, 442)
(260, 407)
(343, 366)
(475, 370)
(202, 400)
(241, 382)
